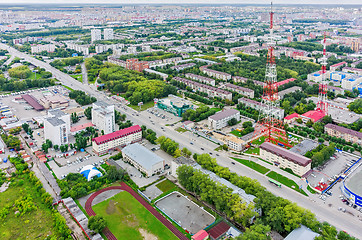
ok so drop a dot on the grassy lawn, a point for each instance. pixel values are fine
(253, 151)
(311, 190)
(78, 77)
(181, 130)
(285, 181)
(236, 133)
(253, 165)
(259, 141)
(32, 76)
(69, 88)
(126, 217)
(166, 186)
(145, 106)
(36, 224)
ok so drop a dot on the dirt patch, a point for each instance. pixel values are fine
(146, 235)
(131, 220)
(111, 208)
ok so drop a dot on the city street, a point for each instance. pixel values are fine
(345, 222)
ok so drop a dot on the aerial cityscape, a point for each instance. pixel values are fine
(180, 120)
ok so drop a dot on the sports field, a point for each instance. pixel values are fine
(128, 219)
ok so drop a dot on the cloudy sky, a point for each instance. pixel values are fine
(185, 1)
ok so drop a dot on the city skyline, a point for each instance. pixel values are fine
(211, 2)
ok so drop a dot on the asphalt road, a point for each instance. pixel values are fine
(341, 221)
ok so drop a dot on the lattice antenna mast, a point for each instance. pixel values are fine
(322, 95)
(270, 123)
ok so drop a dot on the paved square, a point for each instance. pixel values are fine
(185, 212)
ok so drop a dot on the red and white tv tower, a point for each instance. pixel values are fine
(269, 123)
(322, 95)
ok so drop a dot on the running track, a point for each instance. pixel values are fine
(125, 187)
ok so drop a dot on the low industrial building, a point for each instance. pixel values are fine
(313, 115)
(302, 233)
(345, 133)
(284, 158)
(175, 105)
(54, 102)
(177, 162)
(220, 119)
(143, 159)
(305, 146)
(114, 140)
(33, 102)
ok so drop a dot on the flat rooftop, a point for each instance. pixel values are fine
(354, 182)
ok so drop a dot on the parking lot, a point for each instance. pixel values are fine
(327, 173)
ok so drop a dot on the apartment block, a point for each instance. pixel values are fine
(341, 132)
(103, 117)
(284, 158)
(211, 91)
(57, 127)
(96, 35)
(108, 34)
(278, 112)
(215, 74)
(241, 90)
(41, 48)
(202, 79)
(220, 119)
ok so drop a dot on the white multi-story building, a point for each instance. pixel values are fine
(40, 48)
(143, 159)
(57, 127)
(96, 35)
(79, 48)
(108, 34)
(215, 74)
(103, 117)
(220, 119)
(201, 78)
(120, 138)
(284, 158)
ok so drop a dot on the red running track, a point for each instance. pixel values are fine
(125, 187)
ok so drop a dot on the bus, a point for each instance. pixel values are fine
(275, 182)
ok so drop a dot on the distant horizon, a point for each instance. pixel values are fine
(71, 3)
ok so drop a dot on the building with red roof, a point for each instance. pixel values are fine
(200, 235)
(32, 101)
(278, 84)
(218, 231)
(291, 118)
(314, 116)
(120, 138)
(334, 67)
(283, 158)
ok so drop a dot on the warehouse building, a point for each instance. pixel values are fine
(104, 143)
(143, 159)
(284, 158)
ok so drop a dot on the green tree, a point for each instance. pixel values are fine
(232, 122)
(88, 113)
(97, 223)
